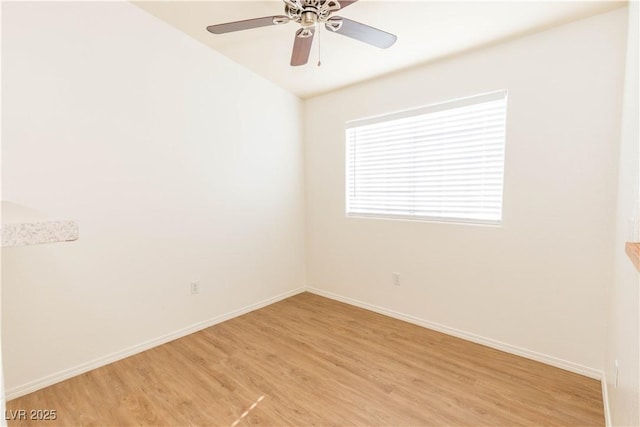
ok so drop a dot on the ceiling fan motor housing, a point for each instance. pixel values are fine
(308, 19)
(309, 12)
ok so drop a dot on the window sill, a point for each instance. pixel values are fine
(633, 251)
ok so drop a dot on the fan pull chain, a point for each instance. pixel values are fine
(319, 52)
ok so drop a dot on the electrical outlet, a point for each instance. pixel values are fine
(396, 279)
(615, 381)
(195, 287)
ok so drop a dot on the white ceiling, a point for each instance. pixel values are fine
(426, 30)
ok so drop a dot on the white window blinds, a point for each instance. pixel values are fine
(441, 162)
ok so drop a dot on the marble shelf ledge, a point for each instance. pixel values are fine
(23, 226)
(34, 233)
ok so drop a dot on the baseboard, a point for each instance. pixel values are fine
(605, 401)
(48, 380)
(498, 345)
(57, 377)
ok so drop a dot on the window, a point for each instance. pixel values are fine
(440, 162)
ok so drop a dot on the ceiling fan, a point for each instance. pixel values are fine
(310, 14)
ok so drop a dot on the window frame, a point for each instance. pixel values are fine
(423, 110)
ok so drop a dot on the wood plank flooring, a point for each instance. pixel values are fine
(310, 361)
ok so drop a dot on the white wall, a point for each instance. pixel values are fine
(539, 282)
(180, 165)
(3, 422)
(177, 163)
(623, 344)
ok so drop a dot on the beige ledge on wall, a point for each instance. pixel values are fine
(23, 226)
(633, 251)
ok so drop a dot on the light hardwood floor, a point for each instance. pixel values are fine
(309, 361)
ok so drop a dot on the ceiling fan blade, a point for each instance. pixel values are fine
(364, 33)
(345, 3)
(246, 24)
(301, 48)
